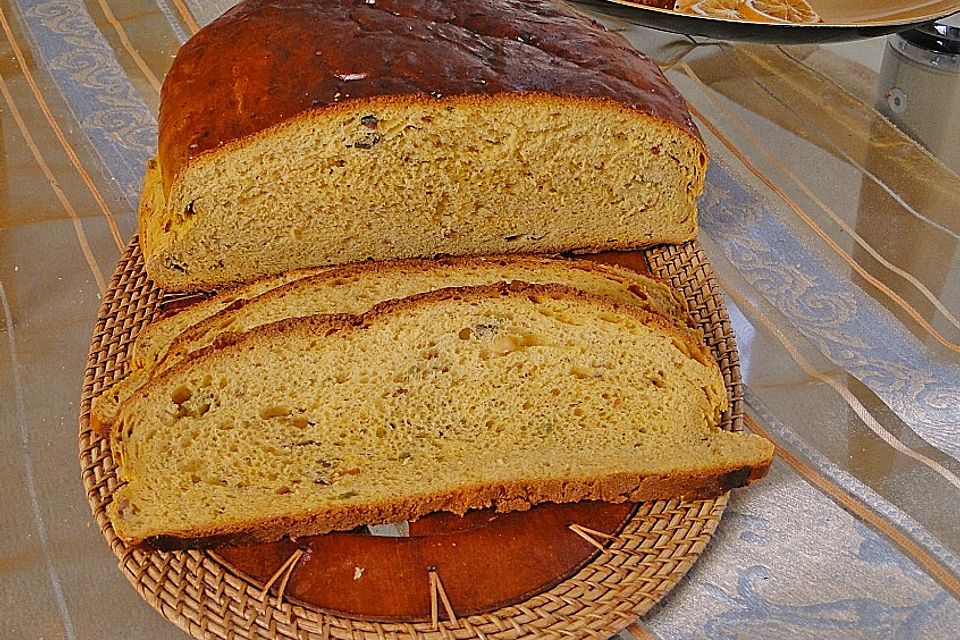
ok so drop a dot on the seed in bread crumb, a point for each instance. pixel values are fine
(181, 394)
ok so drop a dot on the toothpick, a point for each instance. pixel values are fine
(434, 606)
(436, 589)
(286, 576)
(284, 571)
(587, 534)
(446, 603)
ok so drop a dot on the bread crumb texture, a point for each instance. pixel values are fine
(151, 343)
(354, 289)
(406, 178)
(455, 399)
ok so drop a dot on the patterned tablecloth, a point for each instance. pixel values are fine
(834, 238)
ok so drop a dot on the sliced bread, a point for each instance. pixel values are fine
(356, 288)
(502, 396)
(345, 130)
(151, 343)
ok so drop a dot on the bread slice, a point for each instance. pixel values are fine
(356, 288)
(498, 395)
(151, 343)
(348, 131)
(153, 340)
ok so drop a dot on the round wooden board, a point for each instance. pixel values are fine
(536, 573)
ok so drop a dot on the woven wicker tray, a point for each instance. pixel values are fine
(209, 598)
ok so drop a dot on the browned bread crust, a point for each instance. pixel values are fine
(160, 343)
(263, 63)
(505, 496)
(624, 487)
(328, 324)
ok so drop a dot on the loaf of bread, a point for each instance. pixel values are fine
(499, 395)
(354, 289)
(320, 132)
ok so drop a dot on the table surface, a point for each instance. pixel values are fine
(833, 237)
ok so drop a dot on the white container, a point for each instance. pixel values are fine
(919, 87)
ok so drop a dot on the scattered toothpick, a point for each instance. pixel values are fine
(434, 607)
(436, 589)
(587, 534)
(284, 572)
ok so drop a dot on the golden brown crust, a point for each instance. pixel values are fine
(367, 269)
(328, 324)
(98, 424)
(513, 496)
(152, 203)
(316, 56)
(502, 496)
(104, 408)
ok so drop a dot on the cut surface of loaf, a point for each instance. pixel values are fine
(499, 395)
(411, 128)
(151, 343)
(153, 340)
(354, 289)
